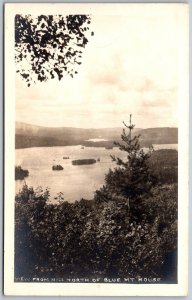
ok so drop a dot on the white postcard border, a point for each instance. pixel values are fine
(88, 289)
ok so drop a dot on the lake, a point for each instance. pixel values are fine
(74, 181)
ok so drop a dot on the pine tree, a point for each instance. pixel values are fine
(132, 177)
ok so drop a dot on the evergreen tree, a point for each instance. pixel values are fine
(132, 177)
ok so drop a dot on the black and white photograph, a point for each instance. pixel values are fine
(96, 149)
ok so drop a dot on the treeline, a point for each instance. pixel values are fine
(129, 228)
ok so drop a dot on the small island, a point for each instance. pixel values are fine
(83, 161)
(57, 168)
(20, 173)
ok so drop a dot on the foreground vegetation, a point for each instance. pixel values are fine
(87, 238)
(129, 228)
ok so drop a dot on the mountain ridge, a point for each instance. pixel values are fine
(28, 135)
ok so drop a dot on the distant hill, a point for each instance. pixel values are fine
(38, 136)
(159, 135)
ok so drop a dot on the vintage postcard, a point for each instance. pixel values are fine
(96, 149)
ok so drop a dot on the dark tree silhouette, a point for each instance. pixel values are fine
(136, 176)
(49, 46)
(132, 177)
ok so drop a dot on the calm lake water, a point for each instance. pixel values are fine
(75, 182)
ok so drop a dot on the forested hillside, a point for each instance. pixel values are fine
(37, 136)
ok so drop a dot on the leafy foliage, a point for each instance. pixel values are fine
(87, 238)
(48, 46)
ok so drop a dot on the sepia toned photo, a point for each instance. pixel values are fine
(96, 149)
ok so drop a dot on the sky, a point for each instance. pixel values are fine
(132, 65)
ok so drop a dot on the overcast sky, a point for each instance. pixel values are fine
(130, 65)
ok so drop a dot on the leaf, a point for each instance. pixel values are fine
(37, 36)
